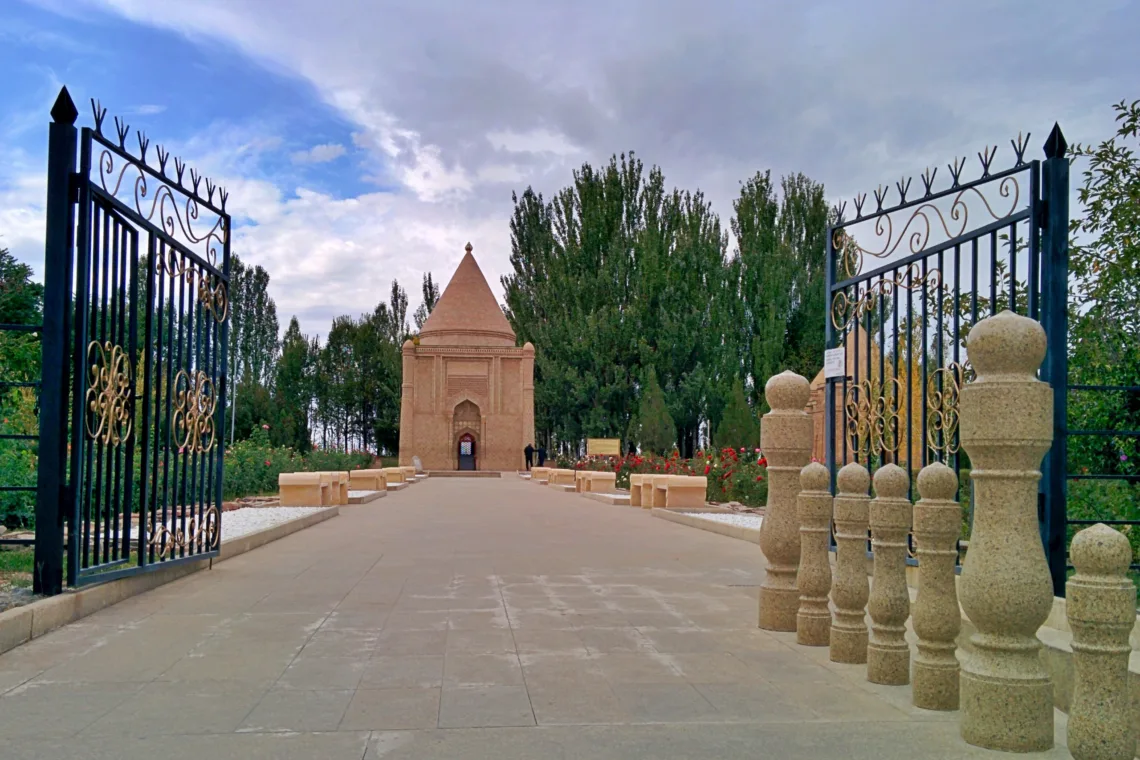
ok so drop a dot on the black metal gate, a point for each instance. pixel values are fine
(134, 357)
(906, 282)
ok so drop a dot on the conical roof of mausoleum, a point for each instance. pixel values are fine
(467, 313)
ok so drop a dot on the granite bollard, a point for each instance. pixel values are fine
(888, 653)
(813, 620)
(937, 618)
(850, 589)
(1101, 606)
(1006, 427)
(786, 437)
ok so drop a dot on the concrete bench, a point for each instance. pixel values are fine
(540, 474)
(582, 480)
(337, 482)
(685, 491)
(367, 480)
(394, 475)
(409, 473)
(600, 482)
(301, 489)
(653, 491)
(562, 477)
(635, 482)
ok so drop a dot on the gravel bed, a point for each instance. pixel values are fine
(242, 522)
(740, 521)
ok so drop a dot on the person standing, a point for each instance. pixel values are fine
(528, 453)
(541, 455)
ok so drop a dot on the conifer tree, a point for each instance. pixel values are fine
(658, 432)
(738, 427)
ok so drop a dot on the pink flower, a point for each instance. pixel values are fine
(757, 450)
(266, 462)
(181, 449)
(264, 427)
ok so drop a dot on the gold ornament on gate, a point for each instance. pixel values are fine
(942, 390)
(195, 404)
(109, 395)
(200, 536)
(872, 416)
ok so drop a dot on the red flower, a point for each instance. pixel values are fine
(759, 478)
(266, 462)
(763, 461)
(707, 468)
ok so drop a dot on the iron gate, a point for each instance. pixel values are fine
(136, 314)
(905, 283)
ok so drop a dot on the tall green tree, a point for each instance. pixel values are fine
(739, 426)
(431, 296)
(292, 391)
(657, 431)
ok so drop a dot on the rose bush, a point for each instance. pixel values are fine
(733, 474)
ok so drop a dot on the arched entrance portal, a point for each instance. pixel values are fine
(466, 430)
(467, 452)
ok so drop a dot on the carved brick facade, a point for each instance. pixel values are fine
(466, 376)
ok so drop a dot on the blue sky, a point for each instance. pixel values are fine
(369, 141)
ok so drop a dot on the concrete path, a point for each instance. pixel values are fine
(458, 619)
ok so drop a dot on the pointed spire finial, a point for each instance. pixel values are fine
(1055, 145)
(469, 248)
(64, 110)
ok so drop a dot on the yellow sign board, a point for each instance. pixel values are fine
(603, 447)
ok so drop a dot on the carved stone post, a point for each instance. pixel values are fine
(1006, 426)
(851, 589)
(813, 621)
(888, 653)
(1102, 611)
(786, 438)
(937, 619)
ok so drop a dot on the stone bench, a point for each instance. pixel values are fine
(394, 475)
(599, 482)
(635, 482)
(681, 491)
(650, 497)
(560, 477)
(337, 493)
(540, 474)
(409, 473)
(302, 489)
(582, 480)
(367, 480)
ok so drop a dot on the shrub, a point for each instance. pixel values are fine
(252, 465)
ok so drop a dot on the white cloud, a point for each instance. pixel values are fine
(147, 109)
(455, 104)
(319, 154)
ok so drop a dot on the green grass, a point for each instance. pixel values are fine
(16, 567)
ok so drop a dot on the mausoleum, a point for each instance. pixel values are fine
(467, 399)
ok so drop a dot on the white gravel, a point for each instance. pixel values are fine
(739, 520)
(242, 522)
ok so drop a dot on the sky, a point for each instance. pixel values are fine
(363, 141)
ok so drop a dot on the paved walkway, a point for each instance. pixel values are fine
(458, 619)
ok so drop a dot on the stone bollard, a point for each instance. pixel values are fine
(1101, 604)
(850, 590)
(785, 436)
(888, 653)
(937, 619)
(813, 621)
(1006, 427)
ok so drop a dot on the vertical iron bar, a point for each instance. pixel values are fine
(925, 371)
(147, 477)
(114, 457)
(1055, 275)
(222, 379)
(50, 474)
(993, 273)
(1034, 241)
(132, 301)
(1013, 267)
(79, 447)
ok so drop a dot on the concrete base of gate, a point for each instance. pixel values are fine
(22, 624)
(364, 497)
(620, 499)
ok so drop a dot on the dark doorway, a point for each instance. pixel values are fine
(467, 452)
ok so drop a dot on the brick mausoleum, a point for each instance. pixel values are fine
(467, 400)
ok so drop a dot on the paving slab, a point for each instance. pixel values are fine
(468, 618)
